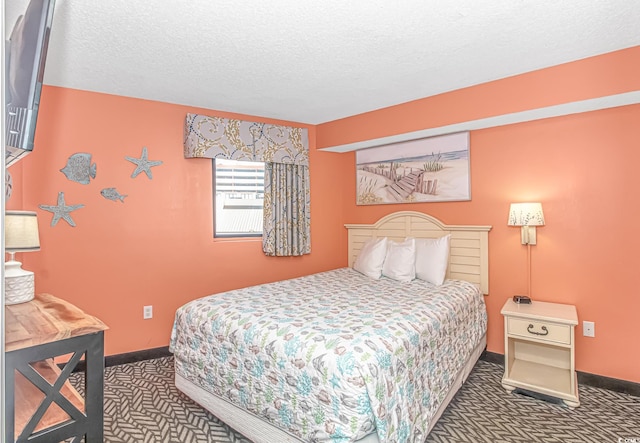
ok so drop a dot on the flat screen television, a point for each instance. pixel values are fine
(26, 52)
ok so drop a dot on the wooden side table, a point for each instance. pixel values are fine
(539, 349)
(41, 405)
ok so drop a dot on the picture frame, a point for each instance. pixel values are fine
(431, 169)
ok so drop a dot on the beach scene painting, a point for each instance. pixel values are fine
(433, 169)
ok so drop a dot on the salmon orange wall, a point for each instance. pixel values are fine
(583, 168)
(157, 247)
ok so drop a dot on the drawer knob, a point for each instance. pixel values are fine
(530, 330)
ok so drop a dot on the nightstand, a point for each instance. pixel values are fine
(539, 349)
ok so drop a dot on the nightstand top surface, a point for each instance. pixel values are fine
(540, 310)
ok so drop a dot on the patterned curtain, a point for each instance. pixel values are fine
(285, 151)
(287, 221)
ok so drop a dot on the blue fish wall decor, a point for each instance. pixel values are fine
(112, 194)
(79, 168)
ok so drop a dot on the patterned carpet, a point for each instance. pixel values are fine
(143, 405)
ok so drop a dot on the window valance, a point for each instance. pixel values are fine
(217, 137)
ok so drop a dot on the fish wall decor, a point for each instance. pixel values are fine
(112, 194)
(79, 168)
(61, 210)
(143, 164)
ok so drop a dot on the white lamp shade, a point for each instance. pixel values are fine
(526, 214)
(21, 231)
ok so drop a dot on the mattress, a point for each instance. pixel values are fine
(333, 356)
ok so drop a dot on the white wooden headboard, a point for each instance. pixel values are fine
(469, 255)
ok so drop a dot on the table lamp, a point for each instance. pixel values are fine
(20, 235)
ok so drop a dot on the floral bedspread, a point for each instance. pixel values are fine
(332, 356)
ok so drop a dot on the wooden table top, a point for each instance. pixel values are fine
(46, 319)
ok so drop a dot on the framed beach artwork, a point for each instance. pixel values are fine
(433, 169)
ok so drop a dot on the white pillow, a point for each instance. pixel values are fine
(371, 257)
(400, 262)
(432, 258)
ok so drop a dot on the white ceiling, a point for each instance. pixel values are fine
(317, 61)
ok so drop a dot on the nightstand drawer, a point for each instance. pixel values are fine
(539, 330)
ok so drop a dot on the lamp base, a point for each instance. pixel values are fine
(528, 235)
(19, 286)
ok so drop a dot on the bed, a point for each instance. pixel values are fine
(339, 356)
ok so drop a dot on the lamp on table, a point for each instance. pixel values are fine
(20, 235)
(527, 216)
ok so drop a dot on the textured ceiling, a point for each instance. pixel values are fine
(314, 62)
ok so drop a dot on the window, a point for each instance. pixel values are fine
(238, 198)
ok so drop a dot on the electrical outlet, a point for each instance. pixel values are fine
(588, 329)
(147, 312)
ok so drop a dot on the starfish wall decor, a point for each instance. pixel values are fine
(61, 211)
(143, 164)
